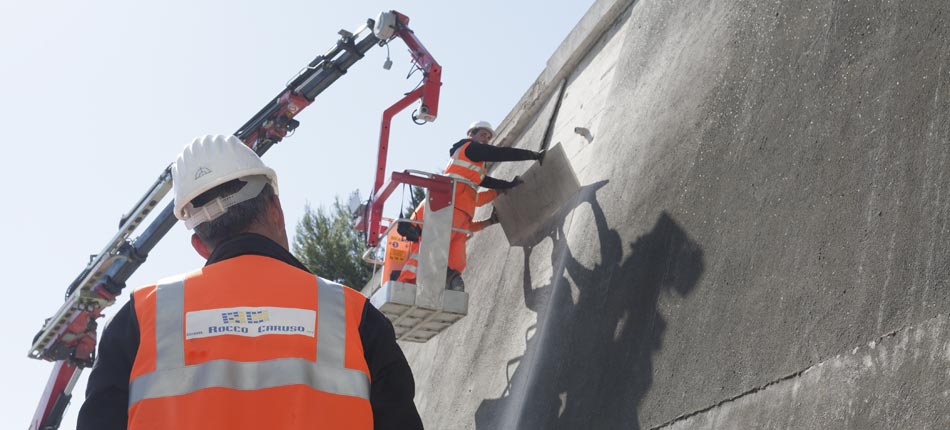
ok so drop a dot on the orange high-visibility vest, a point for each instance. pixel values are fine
(462, 167)
(408, 270)
(397, 251)
(456, 253)
(249, 343)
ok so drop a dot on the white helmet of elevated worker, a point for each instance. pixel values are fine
(481, 124)
(210, 161)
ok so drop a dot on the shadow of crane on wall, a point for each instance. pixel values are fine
(588, 360)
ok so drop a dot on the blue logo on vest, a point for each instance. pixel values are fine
(244, 317)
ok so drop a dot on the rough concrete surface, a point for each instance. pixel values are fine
(546, 187)
(846, 390)
(760, 238)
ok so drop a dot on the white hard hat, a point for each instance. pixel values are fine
(210, 161)
(481, 124)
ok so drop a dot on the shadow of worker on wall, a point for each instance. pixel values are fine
(588, 360)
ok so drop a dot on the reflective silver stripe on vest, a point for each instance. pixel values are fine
(456, 160)
(169, 324)
(461, 179)
(249, 376)
(462, 163)
(331, 324)
(173, 378)
(411, 263)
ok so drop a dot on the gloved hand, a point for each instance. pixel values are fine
(410, 231)
(514, 183)
(540, 156)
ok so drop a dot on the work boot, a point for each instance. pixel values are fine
(453, 281)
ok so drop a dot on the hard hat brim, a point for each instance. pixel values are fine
(264, 171)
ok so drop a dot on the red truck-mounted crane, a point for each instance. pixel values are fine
(68, 338)
(424, 309)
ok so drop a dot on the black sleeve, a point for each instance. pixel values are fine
(107, 393)
(393, 388)
(485, 152)
(496, 184)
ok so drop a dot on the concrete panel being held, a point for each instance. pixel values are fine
(546, 187)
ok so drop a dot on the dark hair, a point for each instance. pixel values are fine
(238, 219)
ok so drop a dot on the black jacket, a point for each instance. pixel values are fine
(107, 392)
(479, 152)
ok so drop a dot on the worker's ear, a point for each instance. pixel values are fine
(200, 246)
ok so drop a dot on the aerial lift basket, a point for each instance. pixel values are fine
(422, 310)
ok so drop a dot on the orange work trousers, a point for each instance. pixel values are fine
(457, 256)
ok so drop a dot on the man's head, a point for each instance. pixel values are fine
(222, 189)
(481, 131)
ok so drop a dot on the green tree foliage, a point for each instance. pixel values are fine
(327, 244)
(417, 195)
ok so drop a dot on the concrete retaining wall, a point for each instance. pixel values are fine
(760, 240)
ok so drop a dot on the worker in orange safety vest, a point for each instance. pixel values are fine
(412, 233)
(252, 340)
(467, 166)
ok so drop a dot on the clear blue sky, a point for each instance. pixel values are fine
(97, 98)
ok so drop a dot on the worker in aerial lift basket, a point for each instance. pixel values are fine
(467, 163)
(252, 340)
(413, 233)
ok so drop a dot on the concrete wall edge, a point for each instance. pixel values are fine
(592, 26)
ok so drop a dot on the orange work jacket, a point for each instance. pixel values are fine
(462, 167)
(249, 343)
